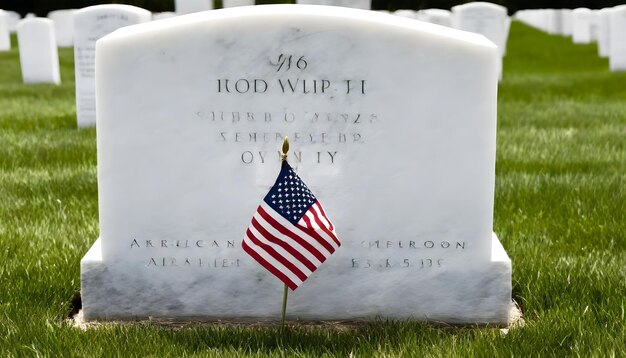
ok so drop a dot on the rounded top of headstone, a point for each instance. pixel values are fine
(112, 8)
(295, 14)
(63, 12)
(479, 5)
(437, 12)
(35, 21)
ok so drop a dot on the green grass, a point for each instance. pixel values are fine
(560, 203)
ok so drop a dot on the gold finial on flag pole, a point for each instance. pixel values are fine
(285, 149)
(285, 291)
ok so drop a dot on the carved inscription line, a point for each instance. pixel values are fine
(293, 80)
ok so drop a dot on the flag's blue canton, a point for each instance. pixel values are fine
(289, 196)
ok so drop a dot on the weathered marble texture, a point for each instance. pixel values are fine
(39, 58)
(398, 144)
(90, 24)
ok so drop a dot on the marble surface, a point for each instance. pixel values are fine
(163, 15)
(437, 16)
(355, 4)
(484, 18)
(39, 58)
(235, 3)
(5, 38)
(409, 14)
(617, 38)
(581, 26)
(63, 27)
(398, 145)
(14, 18)
(603, 32)
(190, 6)
(90, 24)
(566, 21)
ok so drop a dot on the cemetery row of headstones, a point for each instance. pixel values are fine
(488, 19)
(39, 37)
(605, 26)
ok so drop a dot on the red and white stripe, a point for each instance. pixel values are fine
(290, 252)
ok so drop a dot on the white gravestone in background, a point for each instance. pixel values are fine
(409, 14)
(486, 19)
(394, 130)
(190, 6)
(235, 3)
(617, 38)
(5, 36)
(554, 21)
(355, 4)
(162, 15)
(603, 32)
(63, 27)
(437, 16)
(38, 51)
(581, 26)
(90, 24)
(566, 22)
(14, 18)
(593, 25)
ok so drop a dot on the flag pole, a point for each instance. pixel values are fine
(282, 322)
(285, 290)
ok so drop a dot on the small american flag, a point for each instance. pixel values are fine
(290, 234)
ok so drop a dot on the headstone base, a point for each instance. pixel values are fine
(481, 295)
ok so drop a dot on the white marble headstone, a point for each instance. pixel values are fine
(593, 25)
(90, 24)
(163, 15)
(63, 27)
(406, 13)
(5, 36)
(235, 3)
(38, 51)
(554, 21)
(394, 130)
(483, 18)
(355, 4)
(437, 16)
(617, 38)
(190, 6)
(603, 32)
(581, 26)
(566, 22)
(14, 18)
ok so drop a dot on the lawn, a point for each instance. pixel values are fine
(560, 204)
